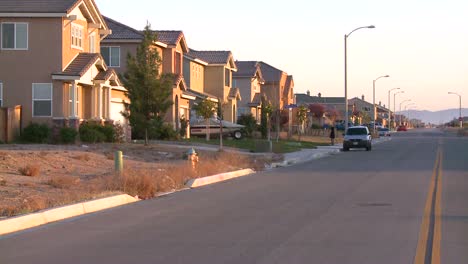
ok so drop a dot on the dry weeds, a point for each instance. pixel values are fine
(30, 170)
(63, 181)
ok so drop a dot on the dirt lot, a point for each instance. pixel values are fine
(34, 177)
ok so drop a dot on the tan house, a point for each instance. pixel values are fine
(249, 80)
(50, 62)
(194, 76)
(171, 46)
(218, 80)
(278, 86)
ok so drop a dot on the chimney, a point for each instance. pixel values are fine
(308, 93)
(319, 95)
(362, 97)
(380, 103)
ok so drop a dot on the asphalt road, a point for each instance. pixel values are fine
(403, 202)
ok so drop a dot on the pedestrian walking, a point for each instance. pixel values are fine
(332, 135)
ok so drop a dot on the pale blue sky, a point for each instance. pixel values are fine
(421, 44)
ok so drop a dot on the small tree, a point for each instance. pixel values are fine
(206, 109)
(317, 110)
(301, 118)
(332, 114)
(266, 111)
(148, 90)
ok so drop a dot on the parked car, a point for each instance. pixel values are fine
(383, 132)
(357, 137)
(198, 128)
(402, 128)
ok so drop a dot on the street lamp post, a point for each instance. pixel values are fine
(407, 111)
(460, 115)
(389, 112)
(346, 73)
(404, 101)
(394, 102)
(373, 97)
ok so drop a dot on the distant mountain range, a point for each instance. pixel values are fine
(438, 117)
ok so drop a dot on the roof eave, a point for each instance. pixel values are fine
(33, 14)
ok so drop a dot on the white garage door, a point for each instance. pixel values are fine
(115, 112)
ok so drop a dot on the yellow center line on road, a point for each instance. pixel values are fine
(428, 249)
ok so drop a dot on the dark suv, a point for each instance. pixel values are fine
(357, 137)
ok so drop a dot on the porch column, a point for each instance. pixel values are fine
(108, 101)
(99, 101)
(73, 93)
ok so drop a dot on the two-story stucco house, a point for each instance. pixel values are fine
(171, 46)
(249, 80)
(51, 65)
(278, 86)
(218, 80)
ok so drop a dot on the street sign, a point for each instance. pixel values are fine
(290, 106)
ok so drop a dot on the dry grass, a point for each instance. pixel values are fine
(30, 170)
(3, 182)
(31, 204)
(83, 157)
(63, 182)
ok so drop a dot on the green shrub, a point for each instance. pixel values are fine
(36, 133)
(248, 120)
(108, 131)
(316, 126)
(68, 135)
(91, 133)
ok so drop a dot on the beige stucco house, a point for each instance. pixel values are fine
(50, 62)
(218, 80)
(278, 86)
(171, 46)
(249, 80)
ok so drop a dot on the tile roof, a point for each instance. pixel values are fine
(212, 56)
(104, 75)
(245, 69)
(169, 37)
(234, 93)
(270, 73)
(81, 64)
(307, 99)
(121, 31)
(37, 6)
(256, 100)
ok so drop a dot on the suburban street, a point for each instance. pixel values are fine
(403, 202)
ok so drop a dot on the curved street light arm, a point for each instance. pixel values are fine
(371, 26)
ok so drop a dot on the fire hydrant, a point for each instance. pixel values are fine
(192, 156)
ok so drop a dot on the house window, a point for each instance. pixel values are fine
(92, 43)
(77, 98)
(77, 36)
(111, 55)
(42, 99)
(177, 62)
(1, 94)
(15, 36)
(227, 77)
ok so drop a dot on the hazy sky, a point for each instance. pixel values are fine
(421, 44)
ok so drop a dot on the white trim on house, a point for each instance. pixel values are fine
(14, 37)
(33, 14)
(51, 99)
(104, 42)
(65, 77)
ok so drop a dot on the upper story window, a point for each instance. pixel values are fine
(77, 36)
(15, 36)
(227, 77)
(42, 99)
(92, 43)
(111, 56)
(177, 63)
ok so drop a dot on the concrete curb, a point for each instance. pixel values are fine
(19, 223)
(194, 183)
